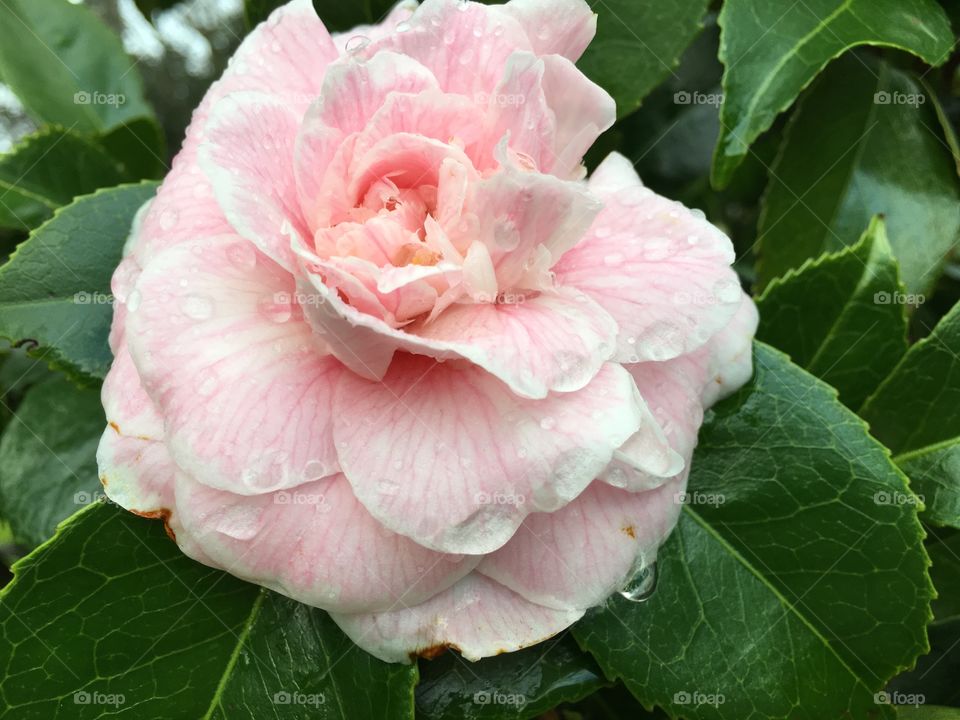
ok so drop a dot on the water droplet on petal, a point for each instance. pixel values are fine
(642, 585)
(168, 219)
(548, 423)
(134, 300)
(357, 43)
(197, 307)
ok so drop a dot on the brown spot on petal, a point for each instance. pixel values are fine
(161, 514)
(116, 428)
(434, 651)
(628, 530)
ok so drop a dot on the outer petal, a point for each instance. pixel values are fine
(249, 157)
(564, 27)
(137, 474)
(579, 555)
(730, 362)
(450, 457)
(237, 375)
(286, 57)
(477, 616)
(314, 543)
(552, 342)
(661, 271)
(465, 45)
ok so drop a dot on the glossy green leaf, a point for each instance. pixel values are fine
(517, 685)
(935, 677)
(638, 44)
(787, 589)
(47, 170)
(138, 146)
(928, 712)
(916, 413)
(54, 290)
(67, 67)
(841, 316)
(48, 457)
(771, 51)
(865, 141)
(108, 618)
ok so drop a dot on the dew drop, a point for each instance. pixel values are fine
(242, 256)
(548, 423)
(197, 307)
(134, 300)
(403, 27)
(168, 219)
(642, 585)
(357, 43)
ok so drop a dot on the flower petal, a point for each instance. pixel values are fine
(477, 616)
(563, 27)
(552, 342)
(243, 387)
(315, 543)
(578, 556)
(248, 157)
(451, 458)
(660, 270)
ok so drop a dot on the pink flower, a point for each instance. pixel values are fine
(380, 346)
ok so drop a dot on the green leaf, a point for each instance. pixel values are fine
(109, 618)
(928, 712)
(47, 170)
(771, 51)
(785, 588)
(638, 44)
(847, 157)
(67, 67)
(521, 684)
(840, 317)
(139, 147)
(916, 413)
(54, 291)
(48, 456)
(945, 573)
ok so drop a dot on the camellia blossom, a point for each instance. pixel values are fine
(381, 346)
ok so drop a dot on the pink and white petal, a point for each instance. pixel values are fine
(554, 341)
(583, 110)
(286, 57)
(238, 376)
(465, 45)
(730, 363)
(136, 473)
(578, 556)
(354, 91)
(315, 543)
(126, 404)
(450, 457)
(671, 390)
(659, 269)
(520, 211)
(562, 27)
(477, 617)
(358, 37)
(248, 156)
